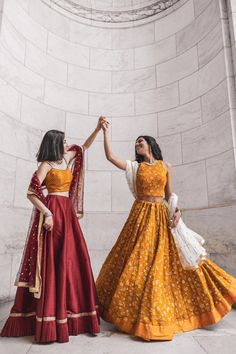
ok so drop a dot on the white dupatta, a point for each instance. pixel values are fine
(188, 243)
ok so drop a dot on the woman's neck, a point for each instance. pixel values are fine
(149, 158)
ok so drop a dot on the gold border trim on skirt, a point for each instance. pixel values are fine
(53, 318)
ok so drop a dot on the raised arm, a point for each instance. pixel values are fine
(109, 155)
(71, 154)
(91, 137)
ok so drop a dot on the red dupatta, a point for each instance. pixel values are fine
(76, 193)
(29, 274)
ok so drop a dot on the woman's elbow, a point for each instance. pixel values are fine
(167, 196)
(29, 196)
(109, 158)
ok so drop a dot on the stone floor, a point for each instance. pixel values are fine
(217, 339)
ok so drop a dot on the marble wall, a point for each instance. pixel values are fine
(170, 75)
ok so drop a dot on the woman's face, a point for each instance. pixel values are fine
(66, 146)
(141, 146)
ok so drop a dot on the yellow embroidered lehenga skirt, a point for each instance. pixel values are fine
(142, 286)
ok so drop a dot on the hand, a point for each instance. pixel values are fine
(48, 223)
(101, 121)
(105, 125)
(175, 219)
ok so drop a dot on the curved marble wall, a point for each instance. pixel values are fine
(169, 76)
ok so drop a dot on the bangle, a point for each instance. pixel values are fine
(47, 214)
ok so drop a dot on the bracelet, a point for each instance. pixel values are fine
(47, 214)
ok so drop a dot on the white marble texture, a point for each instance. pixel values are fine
(179, 119)
(221, 179)
(66, 98)
(24, 24)
(97, 160)
(216, 225)
(215, 102)
(157, 100)
(7, 178)
(90, 36)
(14, 237)
(198, 28)
(200, 6)
(49, 19)
(68, 52)
(10, 100)
(103, 229)
(24, 172)
(169, 75)
(155, 53)
(122, 199)
(134, 81)
(111, 104)
(206, 141)
(133, 37)
(24, 142)
(192, 191)
(80, 126)
(97, 258)
(20, 77)
(171, 148)
(210, 45)
(89, 80)
(116, 59)
(98, 191)
(203, 80)
(16, 260)
(24, 4)
(175, 21)
(12, 40)
(129, 128)
(41, 116)
(45, 65)
(5, 271)
(177, 68)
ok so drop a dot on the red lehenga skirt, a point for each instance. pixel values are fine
(68, 304)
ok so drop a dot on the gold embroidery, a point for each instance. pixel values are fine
(142, 286)
(22, 284)
(29, 314)
(82, 314)
(45, 319)
(53, 318)
(38, 279)
(37, 288)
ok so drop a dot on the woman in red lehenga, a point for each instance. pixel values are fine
(56, 295)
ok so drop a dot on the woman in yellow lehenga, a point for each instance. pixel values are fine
(143, 287)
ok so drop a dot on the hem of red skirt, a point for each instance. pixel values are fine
(19, 327)
(167, 331)
(49, 331)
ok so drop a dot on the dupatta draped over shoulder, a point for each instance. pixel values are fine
(188, 243)
(29, 274)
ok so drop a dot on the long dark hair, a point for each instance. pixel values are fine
(156, 151)
(52, 146)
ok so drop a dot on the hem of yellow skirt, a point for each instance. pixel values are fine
(167, 331)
